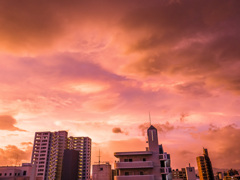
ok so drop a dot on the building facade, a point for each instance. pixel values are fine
(41, 153)
(102, 171)
(187, 173)
(58, 145)
(83, 146)
(24, 172)
(205, 166)
(70, 165)
(152, 164)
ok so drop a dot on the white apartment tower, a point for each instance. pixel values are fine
(40, 154)
(83, 145)
(152, 164)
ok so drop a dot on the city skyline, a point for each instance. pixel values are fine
(97, 69)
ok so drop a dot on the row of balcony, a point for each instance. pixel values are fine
(138, 177)
(134, 165)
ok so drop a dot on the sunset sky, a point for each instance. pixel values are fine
(97, 68)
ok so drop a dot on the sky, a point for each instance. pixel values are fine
(97, 68)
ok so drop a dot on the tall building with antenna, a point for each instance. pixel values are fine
(152, 164)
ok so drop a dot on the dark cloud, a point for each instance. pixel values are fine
(222, 144)
(196, 89)
(12, 155)
(162, 128)
(117, 130)
(197, 39)
(8, 123)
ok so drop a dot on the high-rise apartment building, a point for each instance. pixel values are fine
(152, 164)
(41, 153)
(205, 166)
(58, 145)
(83, 145)
(48, 152)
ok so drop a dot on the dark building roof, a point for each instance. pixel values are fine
(152, 127)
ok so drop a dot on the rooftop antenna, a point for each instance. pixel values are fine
(150, 119)
(99, 161)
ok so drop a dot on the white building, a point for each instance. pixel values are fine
(24, 172)
(152, 164)
(102, 172)
(190, 173)
(41, 153)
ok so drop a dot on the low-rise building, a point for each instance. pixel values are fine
(24, 172)
(102, 171)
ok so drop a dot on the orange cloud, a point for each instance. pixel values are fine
(12, 155)
(117, 130)
(7, 123)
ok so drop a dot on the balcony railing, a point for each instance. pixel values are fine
(165, 170)
(134, 165)
(135, 177)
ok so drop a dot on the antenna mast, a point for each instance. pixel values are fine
(150, 119)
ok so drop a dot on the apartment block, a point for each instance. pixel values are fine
(48, 154)
(58, 145)
(205, 166)
(83, 146)
(41, 153)
(152, 164)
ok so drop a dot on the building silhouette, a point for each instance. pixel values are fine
(70, 165)
(205, 166)
(152, 164)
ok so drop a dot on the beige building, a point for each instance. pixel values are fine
(152, 164)
(102, 171)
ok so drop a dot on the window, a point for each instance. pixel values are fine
(141, 173)
(10, 174)
(144, 159)
(101, 169)
(0, 174)
(130, 160)
(24, 173)
(126, 173)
